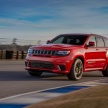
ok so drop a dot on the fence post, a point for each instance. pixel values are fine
(0, 54)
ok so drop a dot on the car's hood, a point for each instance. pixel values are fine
(55, 46)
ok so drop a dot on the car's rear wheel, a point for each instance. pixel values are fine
(76, 70)
(35, 73)
(105, 72)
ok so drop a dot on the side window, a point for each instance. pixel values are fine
(100, 42)
(92, 39)
(106, 42)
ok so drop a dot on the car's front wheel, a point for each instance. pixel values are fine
(35, 73)
(76, 70)
(105, 72)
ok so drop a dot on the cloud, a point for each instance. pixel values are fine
(45, 19)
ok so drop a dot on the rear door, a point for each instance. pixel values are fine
(106, 49)
(101, 52)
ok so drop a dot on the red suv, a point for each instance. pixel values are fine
(70, 54)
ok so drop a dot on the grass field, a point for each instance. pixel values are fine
(94, 97)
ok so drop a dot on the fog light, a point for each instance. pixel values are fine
(61, 67)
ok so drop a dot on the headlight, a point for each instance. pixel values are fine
(62, 53)
(30, 51)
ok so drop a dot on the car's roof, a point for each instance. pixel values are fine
(80, 34)
(69, 34)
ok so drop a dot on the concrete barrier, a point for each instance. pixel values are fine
(9, 54)
(20, 55)
(14, 55)
(24, 53)
(0, 54)
(3, 56)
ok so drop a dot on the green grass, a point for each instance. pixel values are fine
(94, 97)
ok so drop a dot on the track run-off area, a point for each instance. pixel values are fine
(16, 83)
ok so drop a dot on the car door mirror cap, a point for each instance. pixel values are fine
(48, 41)
(90, 44)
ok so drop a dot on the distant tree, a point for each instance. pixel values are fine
(14, 40)
(38, 42)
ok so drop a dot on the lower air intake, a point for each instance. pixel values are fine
(41, 64)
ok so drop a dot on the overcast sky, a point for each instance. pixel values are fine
(44, 19)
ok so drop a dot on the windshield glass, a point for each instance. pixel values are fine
(69, 39)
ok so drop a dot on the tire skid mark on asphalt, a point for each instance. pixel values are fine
(25, 99)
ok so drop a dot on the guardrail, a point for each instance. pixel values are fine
(15, 55)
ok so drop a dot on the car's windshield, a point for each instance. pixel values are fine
(69, 39)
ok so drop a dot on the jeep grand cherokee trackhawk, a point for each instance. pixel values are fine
(70, 54)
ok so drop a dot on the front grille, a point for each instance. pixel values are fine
(41, 64)
(44, 52)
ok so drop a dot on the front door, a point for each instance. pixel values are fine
(91, 54)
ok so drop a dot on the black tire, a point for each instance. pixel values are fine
(35, 73)
(105, 72)
(76, 70)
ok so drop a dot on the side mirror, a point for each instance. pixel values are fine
(48, 41)
(91, 44)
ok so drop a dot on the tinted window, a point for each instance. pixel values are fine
(92, 39)
(70, 39)
(100, 42)
(106, 42)
(59, 40)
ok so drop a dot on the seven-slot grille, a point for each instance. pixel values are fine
(41, 64)
(44, 52)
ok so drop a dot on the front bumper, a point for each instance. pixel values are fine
(50, 64)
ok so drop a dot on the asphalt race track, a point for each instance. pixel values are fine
(15, 80)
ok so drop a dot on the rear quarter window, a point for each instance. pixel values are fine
(106, 42)
(100, 42)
